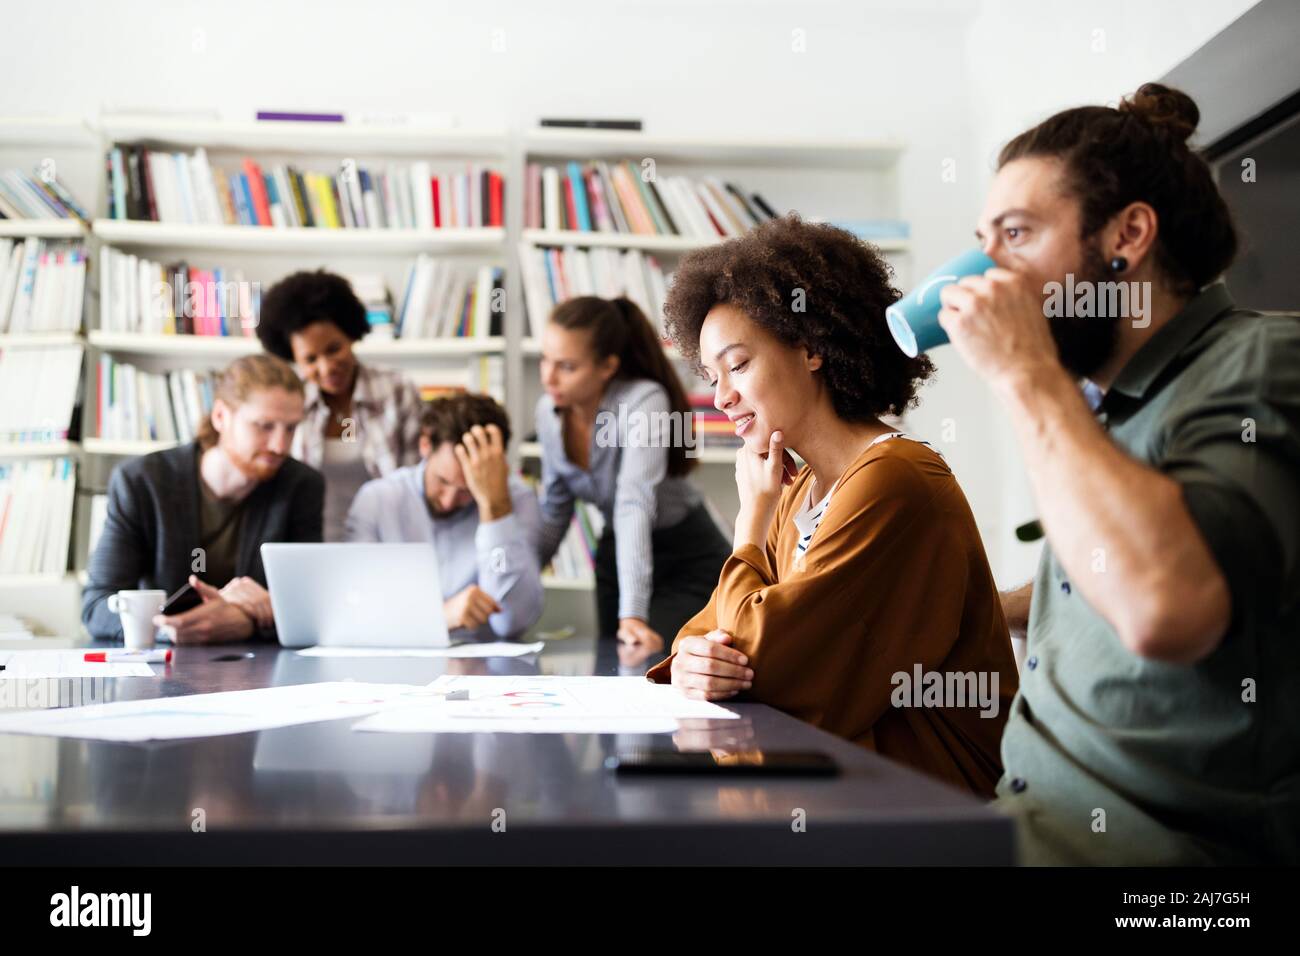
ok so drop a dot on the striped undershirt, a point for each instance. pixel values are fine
(809, 516)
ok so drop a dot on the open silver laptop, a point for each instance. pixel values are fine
(355, 595)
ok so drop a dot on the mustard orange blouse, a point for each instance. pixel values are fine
(894, 591)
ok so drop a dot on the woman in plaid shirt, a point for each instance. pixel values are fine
(361, 422)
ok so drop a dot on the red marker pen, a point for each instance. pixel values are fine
(129, 657)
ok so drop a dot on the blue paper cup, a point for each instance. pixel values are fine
(914, 319)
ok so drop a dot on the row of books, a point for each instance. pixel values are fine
(623, 198)
(37, 197)
(481, 373)
(447, 299)
(139, 295)
(712, 428)
(134, 405)
(551, 276)
(180, 187)
(575, 558)
(36, 501)
(42, 285)
(38, 392)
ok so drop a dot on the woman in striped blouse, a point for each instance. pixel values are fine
(616, 430)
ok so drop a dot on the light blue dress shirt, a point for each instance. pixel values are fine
(499, 556)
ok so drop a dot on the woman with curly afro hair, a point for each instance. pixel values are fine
(361, 422)
(857, 583)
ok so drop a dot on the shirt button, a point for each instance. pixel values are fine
(1065, 587)
(1032, 663)
(1018, 785)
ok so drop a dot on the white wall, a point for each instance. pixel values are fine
(953, 79)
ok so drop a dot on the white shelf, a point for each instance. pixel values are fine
(842, 154)
(707, 456)
(42, 228)
(432, 348)
(37, 581)
(216, 347)
(36, 340)
(336, 139)
(112, 446)
(225, 347)
(134, 233)
(45, 131)
(568, 584)
(10, 450)
(615, 240)
(532, 347)
(626, 240)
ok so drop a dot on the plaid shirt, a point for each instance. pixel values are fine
(386, 406)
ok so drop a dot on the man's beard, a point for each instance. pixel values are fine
(1086, 343)
(252, 468)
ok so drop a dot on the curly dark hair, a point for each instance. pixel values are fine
(302, 299)
(845, 285)
(447, 418)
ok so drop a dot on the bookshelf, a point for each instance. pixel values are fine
(67, 146)
(678, 244)
(123, 448)
(533, 348)
(129, 234)
(42, 228)
(308, 139)
(854, 178)
(224, 348)
(13, 450)
(830, 154)
(266, 254)
(30, 340)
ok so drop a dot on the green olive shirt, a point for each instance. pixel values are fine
(1114, 759)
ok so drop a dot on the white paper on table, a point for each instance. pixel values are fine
(431, 720)
(34, 665)
(486, 649)
(545, 704)
(210, 715)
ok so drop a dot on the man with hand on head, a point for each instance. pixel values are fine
(482, 520)
(201, 512)
(1158, 719)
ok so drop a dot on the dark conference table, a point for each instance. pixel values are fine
(325, 794)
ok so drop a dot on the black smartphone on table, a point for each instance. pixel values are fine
(744, 763)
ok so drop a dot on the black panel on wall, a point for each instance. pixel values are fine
(1260, 180)
(1246, 81)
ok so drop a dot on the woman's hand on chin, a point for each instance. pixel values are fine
(760, 479)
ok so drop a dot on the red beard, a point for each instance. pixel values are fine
(252, 468)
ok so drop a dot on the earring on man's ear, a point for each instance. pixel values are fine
(1118, 264)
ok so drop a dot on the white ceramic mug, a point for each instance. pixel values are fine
(137, 610)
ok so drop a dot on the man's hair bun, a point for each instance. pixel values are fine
(1164, 108)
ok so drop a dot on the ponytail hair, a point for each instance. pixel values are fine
(240, 379)
(619, 327)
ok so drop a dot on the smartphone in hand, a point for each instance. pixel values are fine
(184, 598)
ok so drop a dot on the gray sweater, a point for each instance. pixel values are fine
(152, 528)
